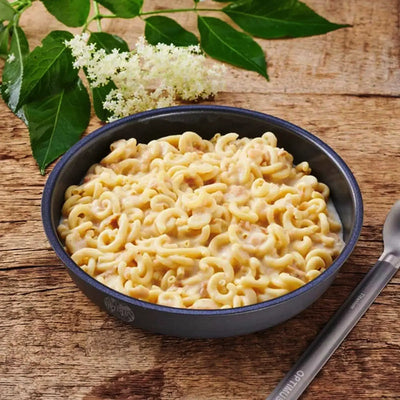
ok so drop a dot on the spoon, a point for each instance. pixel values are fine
(332, 335)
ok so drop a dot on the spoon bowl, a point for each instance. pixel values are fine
(391, 232)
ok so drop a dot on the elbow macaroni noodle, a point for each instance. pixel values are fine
(192, 223)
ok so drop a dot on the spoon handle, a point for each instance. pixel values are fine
(335, 331)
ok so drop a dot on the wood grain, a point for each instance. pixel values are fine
(55, 344)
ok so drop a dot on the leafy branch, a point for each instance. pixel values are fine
(43, 88)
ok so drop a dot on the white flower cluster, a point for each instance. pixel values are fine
(148, 77)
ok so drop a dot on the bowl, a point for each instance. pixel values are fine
(326, 165)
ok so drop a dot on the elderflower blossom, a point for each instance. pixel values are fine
(149, 77)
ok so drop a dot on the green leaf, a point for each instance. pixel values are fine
(4, 40)
(56, 122)
(161, 29)
(48, 68)
(13, 71)
(69, 12)
(278, 18)
(222, 42)
(123, 8)
(99, 97)
(6, 11)
(107, 42)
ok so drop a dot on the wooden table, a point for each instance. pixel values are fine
(55, 344)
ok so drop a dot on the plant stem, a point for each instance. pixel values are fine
(97, 14)
(19, 7)
(101, 16)
(176, 10)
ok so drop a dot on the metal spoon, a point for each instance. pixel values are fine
(332, 335)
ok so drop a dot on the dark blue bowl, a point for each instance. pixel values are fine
(326, 165)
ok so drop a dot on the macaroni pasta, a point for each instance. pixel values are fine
(192, 223)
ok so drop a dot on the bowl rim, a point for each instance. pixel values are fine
(54, 240)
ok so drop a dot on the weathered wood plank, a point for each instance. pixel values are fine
(363, 59)
(55, 344)
(72, 336)
(56, 331)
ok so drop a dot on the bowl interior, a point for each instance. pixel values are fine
(206, 121)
